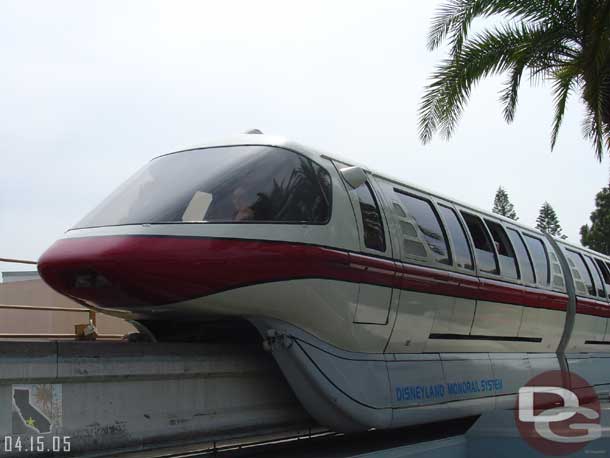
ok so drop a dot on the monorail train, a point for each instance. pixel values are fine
(384, 305)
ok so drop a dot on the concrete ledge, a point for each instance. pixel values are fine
(164, 360)
(23, 361)
(107, 396)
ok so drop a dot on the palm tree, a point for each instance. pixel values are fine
(564, 41)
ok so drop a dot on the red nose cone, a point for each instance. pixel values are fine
(123, 271)
(132, 271)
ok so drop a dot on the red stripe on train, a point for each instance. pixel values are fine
(592, 307)
(124, 271)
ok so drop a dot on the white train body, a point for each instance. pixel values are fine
(384, 305)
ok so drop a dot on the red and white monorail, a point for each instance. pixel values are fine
(383, 304)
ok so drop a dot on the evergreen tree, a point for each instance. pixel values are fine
(548, 222)
(503, 206)
(597, 236)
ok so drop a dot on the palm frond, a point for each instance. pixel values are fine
(563, 84)
(491, 52)
(454, 18)
(510, 93)
(592, 130)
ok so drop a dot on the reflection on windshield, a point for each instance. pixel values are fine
(236, 184)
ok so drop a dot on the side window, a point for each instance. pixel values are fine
(583, 271)
(597, 278)
(429, 225)
(605, 274)
(525, 261)
(462, 254)
(485, 254)
(557, 279)
(374, 236)
(540, 258)
(506, 255)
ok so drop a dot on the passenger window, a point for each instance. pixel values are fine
(462, 254)
(540, 258)
(506, 255)
(605, 274)
(430, 228)
(597, 278)
(557, 280)
(484, 251)
(374, 236)
(583, 271)
(604, 270)
(525, 261)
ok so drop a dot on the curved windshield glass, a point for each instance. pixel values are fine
(225, 184)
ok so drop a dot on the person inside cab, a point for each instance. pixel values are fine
(243, 211)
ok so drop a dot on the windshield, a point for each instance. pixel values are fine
(226, 184)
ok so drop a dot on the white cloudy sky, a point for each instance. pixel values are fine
(91, 90)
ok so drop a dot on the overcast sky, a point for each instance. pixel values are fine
(90, 91)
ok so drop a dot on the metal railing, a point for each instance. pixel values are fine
(18, 261)
(78, 329)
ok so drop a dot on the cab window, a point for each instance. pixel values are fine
(231, 184)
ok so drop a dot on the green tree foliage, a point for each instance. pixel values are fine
(597, 236)
(566, 42)
(548, 222)
(503, 206)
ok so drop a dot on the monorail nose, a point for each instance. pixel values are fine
(135, 271)
(111, 272)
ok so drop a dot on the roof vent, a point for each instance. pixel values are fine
(253, 131)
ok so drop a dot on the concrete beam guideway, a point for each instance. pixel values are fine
(146, 400)
(109, 396)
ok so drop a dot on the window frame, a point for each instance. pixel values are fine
(599, 277)
(578, 253)
(466, 233)
(607, 263)
(548, 285)
(382, 220)
(554, 254)
(486, 221)
(479, 272)
(529, 256)
(379, 198)
(605, 272)
(430, 201)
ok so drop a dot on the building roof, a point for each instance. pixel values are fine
(22, 275)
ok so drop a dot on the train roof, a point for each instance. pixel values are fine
(259, 139)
